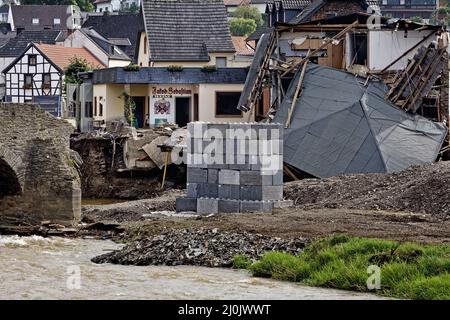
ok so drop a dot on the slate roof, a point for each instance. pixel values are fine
(16, 45)
(316, 5)
(23, 15)
(160, 75)
(341, 127)
(122, 26)
(105, 45)
(61, 56)
(259, 32)
(186, 30)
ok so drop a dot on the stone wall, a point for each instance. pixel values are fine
(39, 181)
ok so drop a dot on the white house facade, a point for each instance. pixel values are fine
(32, 77)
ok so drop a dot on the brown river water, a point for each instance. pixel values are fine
(56, 268)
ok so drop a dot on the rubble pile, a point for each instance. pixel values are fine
(419, 189)
(199, 247)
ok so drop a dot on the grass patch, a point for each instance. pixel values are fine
(408, 270)
(241, 262)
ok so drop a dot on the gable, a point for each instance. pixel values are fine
(43, 65)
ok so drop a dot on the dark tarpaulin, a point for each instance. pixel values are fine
(341, 127)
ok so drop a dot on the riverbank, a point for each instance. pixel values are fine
(44, 268)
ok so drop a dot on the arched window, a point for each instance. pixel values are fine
(145, 44)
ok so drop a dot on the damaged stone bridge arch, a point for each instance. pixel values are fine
(11, 173)
(38, 180)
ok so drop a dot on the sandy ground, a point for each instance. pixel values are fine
(144, 217)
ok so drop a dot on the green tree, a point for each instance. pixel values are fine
(242, 27)
(76, 66)
(133, 8)
(248, 12)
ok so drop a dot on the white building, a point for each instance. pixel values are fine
(107, 5)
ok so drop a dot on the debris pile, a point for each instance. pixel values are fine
(420, 189)
(199, 247)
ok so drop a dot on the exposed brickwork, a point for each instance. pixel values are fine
(38, 178)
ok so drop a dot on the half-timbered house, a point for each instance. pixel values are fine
(37, 75)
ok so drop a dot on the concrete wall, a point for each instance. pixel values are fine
(36, 155)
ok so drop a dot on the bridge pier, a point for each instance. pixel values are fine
(38, 179)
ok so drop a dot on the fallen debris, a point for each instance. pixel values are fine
(420, 189)
(200, 247)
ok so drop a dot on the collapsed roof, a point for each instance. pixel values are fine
(340, 126)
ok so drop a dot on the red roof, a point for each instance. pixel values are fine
(61, 56)
(242, 48)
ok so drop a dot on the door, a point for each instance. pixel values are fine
(182, 106)
(139, 112)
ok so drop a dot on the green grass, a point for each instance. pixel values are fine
(408, 270)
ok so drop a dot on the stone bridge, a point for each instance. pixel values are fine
(38, 179)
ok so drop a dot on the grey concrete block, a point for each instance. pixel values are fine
(194, 145)
(241, 131)
(208, 190)
(229, 192)
(186, 204)
(213, 176)
(207, 206)
(251, 193)
(197, 175)
(216, 130)
(215, 161)
(229, 206)
(256, 206)
(283, 204)
(196, 129)
(229, 177)
(272, 193)
(272, 177)
(195, 161)
(192, 190)
(251, 178)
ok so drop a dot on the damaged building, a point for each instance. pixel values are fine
(357, 93)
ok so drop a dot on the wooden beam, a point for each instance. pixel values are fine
(296, 95)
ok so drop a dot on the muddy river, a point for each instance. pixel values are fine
(55, 268)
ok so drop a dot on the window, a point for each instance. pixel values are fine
(46, 81)
(227, 103)
(100, 108)
(145, 44)
(88, 109)
(32, 59)
(221, 62)
(28, 81)
(35, 21)
(95, 106)
(56, 21)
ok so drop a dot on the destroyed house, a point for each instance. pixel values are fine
(324, 9)
(354, 96)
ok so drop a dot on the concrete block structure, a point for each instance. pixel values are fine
(233, 168)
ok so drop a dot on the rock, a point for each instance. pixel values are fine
(199, 247)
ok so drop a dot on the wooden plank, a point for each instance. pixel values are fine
(296, 95)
